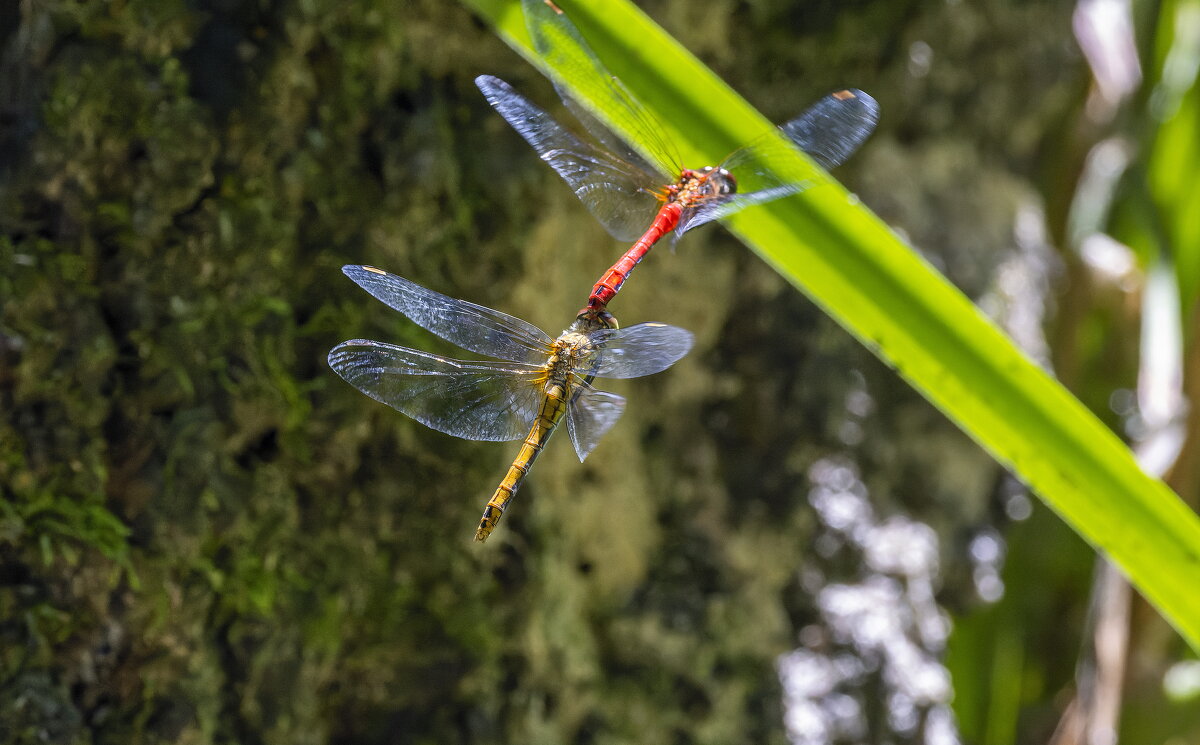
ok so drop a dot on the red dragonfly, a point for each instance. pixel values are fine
(622, 190)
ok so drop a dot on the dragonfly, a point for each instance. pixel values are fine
(621, 189)
(536, 382)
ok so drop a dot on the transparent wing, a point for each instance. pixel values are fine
(591, 414)
(620, 194)
(476, 401)
(559, 42)
(609, 140)
(829, 132)
(634, 351)
(470, 326)
(717, 207)
(834, 127)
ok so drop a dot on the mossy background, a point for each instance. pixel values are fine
(206, 536)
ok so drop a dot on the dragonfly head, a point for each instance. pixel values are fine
(592, 318)
(720, 182)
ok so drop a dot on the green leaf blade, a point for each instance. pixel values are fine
(852, 265)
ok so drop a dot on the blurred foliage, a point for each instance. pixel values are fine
(206, 537)
(1172, 112)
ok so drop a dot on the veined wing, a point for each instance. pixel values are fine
(590, 415)
(619, 194)
(829, 131)
(559, 42)
(473, 400)
(470, 326)
(834, 127)
(634, 351)
(717, 207)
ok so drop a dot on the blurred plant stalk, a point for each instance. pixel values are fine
(1122, 231)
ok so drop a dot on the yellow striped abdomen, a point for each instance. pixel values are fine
(554, 405)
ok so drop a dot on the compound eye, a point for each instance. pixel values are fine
(722, 181)
(728, 182)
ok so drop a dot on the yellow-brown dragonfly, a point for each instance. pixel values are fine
(539, 382)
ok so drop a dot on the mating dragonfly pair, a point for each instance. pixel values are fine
(542, 380)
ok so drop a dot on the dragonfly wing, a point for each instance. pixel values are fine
(470, 326)
(559, 42)
(642, 349)
(834, 127)
(619, 194)
(829, 132)
(723, 206)
(591, 414)
(476, 401)
(608, 139)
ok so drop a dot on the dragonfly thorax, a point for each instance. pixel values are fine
(573, 353)
(706, 183)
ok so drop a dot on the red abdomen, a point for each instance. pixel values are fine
(608, 286)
